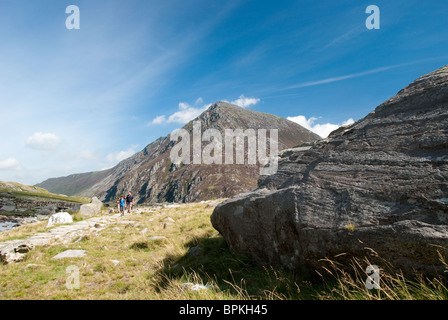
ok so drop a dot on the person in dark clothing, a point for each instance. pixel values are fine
(129, 202)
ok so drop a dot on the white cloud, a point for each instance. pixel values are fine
(158, 120)
(187, 112)
(183, 106)
(245, 102)
(322, 130)
(45, 142)
(10, 164)
(87, 155)
(121, 155)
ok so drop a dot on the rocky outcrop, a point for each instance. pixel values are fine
(152, 176)
(378, 186)
(22, 200)
(11, 204)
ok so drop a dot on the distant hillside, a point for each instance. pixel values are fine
(16, 198)
(75, 184)
(152, 177)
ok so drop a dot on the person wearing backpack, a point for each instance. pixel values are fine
(129, 202)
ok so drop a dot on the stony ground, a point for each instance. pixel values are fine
(108, 256)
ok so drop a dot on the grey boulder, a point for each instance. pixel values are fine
(375, 189)
(91, 209)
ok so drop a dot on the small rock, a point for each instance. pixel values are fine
(214, 203)
(155, 238)
(70, 254)
(175, 205)
(115, 262)
(144, 231)
(197, 287)
(215, 235)
(33, 265)
(195, 251)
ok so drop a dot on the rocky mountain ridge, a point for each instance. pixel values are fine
(152, 176)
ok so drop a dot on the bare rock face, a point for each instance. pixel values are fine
(380, 184)
(152, 176)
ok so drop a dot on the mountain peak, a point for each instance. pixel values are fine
(152, 176)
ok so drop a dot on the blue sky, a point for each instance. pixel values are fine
(82, 100)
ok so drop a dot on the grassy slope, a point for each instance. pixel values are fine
(149, 269)
(20, 190)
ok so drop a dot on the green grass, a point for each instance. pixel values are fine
(191, 252)
(21, 191)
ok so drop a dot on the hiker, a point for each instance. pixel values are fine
(118, 204)
(122, 205)
(129, 202)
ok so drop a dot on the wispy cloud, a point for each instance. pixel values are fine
(341, 78)
(356, 74)
(352, 33)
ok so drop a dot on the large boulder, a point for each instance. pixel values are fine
(377, 188)
(91, 209)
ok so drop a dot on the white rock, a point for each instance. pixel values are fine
(197, 287)
(155, 238)
(59, 218)
(115, 262)
(70, 254)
